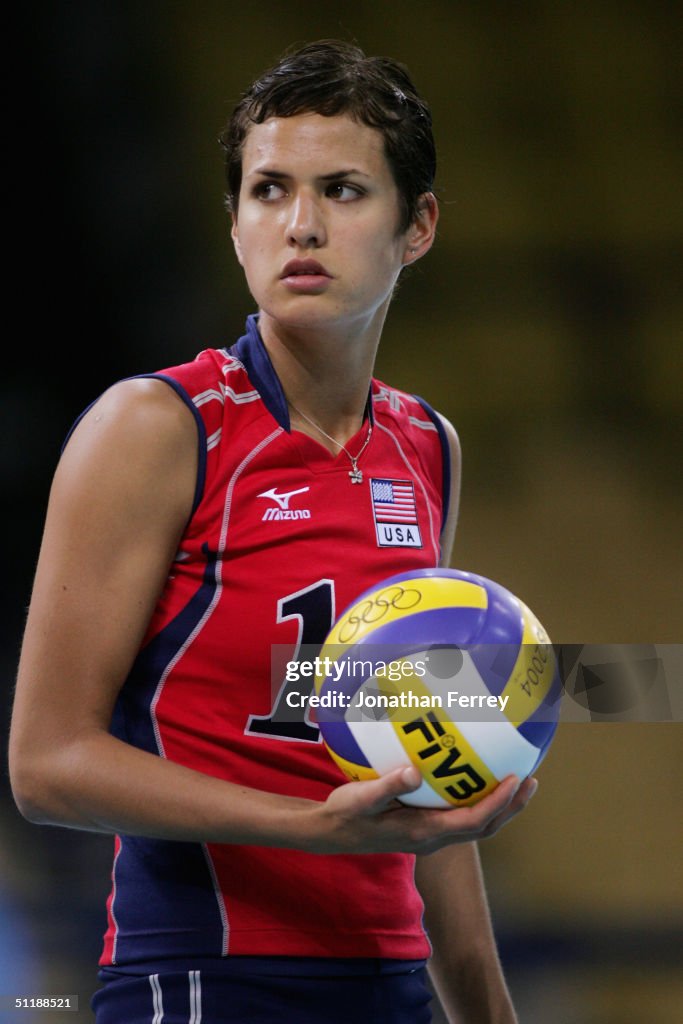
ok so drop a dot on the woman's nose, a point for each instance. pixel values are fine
(306, 223)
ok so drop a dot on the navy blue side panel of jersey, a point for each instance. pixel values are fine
(445, 456)
(201, 429)
(253, 355)
(170, 904)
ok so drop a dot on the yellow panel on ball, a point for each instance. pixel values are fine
(533, 672)
(411, 595)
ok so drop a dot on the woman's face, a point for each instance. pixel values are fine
(317, 227)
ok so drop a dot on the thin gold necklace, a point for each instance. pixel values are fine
(355, 474)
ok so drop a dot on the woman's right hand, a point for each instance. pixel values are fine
(367, 817)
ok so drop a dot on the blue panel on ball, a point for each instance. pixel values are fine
(331, 719)
(547, 712)
(339, 739)
(494, 663)
(546, 741)
(504, 619)
(499, 640)
(538, 733)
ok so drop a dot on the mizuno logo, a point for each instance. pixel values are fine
(283, 511)
(282, 499)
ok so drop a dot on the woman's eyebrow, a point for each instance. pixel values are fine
(268, 172)
(343, 174)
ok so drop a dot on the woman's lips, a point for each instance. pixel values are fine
(305, 276)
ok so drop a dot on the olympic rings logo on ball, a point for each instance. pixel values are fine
(374, 610)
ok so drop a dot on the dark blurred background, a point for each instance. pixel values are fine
(546, 324)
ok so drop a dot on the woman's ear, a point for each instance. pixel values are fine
(235, 239)
(421, 233)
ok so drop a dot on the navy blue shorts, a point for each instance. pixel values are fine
(279, 990)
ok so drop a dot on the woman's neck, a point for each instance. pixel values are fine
(325, 380)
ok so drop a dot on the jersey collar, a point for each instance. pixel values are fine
(253, 355)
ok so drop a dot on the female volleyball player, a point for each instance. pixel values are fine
(204, 514)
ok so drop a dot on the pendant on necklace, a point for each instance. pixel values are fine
(356, 475)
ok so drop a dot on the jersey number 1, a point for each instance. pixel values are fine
(314, 609)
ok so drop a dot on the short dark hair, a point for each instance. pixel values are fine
(332, 77)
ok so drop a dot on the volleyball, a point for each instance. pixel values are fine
(443, 669)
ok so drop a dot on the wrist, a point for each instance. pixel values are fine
(274, 820)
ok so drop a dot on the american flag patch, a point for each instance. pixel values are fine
(395, 513)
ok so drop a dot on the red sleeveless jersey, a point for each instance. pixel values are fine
(279, 543)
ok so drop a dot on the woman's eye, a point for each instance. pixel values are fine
(343, 192)
(269, 190)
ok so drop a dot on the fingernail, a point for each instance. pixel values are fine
(411, 777)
